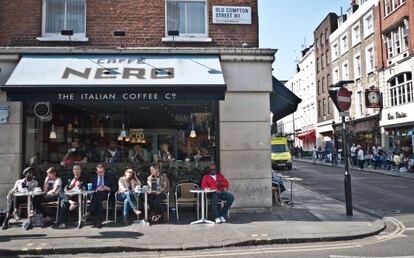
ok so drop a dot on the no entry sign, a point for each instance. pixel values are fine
(344, 99)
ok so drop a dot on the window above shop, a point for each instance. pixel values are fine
(187, 17)
(401, 89)
(58, 15)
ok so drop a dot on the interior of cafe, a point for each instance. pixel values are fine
(180, 136)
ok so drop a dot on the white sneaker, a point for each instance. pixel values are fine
(218, 220)
(223, 220)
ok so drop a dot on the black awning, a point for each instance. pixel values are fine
(283, 102)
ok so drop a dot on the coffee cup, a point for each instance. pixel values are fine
(89, 186)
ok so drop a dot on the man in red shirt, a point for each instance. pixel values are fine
(215, 180)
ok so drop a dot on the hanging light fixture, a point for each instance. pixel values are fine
(193, 132)
(123, 131)
(52, 134)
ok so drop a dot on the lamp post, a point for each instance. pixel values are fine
(293, 125)
(342, 100)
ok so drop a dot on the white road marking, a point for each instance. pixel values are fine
(345, 256)
(409, 229)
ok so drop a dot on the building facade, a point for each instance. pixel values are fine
(323, 68)
(395, 62)
(302, 123)
(353, 58)
(185, 77)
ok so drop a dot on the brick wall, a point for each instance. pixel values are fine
(142, 20)
(329, 24)
(384, 24)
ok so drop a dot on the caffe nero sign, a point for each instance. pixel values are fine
(116, 78)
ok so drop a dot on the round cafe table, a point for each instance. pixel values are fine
(81, 205)
(292, 179)
(29, 195)
(137, 193)
(203, 206)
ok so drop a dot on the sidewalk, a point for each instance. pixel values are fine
(391, 172)
(315, 218)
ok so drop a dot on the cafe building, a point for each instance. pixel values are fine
(188, 89)
(199, 105)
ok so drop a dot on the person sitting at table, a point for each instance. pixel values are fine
(102, 186)
(28, 183)
(126, 186)
(52, 187)
(216, 181)
(77, 182)
(136, 154)
(164, 153)
(159, 185)
(113, 153)
(74, 155)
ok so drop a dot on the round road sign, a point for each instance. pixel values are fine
(344, 99)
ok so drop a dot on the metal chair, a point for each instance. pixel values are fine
(87, 201)
(166, 202)
(47, 205)
(184, 197)
(219, 202)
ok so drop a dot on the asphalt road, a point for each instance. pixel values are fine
(382, 194)
(391, 198)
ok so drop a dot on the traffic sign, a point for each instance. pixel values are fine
(344, 99)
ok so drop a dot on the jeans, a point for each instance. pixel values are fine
(129, 201)
(227, 197)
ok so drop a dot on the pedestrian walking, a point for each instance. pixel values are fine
(360, 157)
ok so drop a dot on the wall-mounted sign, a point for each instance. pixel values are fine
(4, 113)
(232, 14)
(372, 98)
(396, 115)
(136, 135)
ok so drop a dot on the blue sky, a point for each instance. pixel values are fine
(287, 24)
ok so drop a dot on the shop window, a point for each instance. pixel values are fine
(189, 17)
(401, 89)
(180, 136)
(64, 15)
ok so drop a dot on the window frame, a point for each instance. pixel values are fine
(357, 66)
(366, 31)
(57, 36)
(345, 64)
(335, 77)
(401, 93)
(391, 5)
(190, 37)
(335, 51)
(396, 42)
(344, 47)
(370, 59)
(356, 40)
